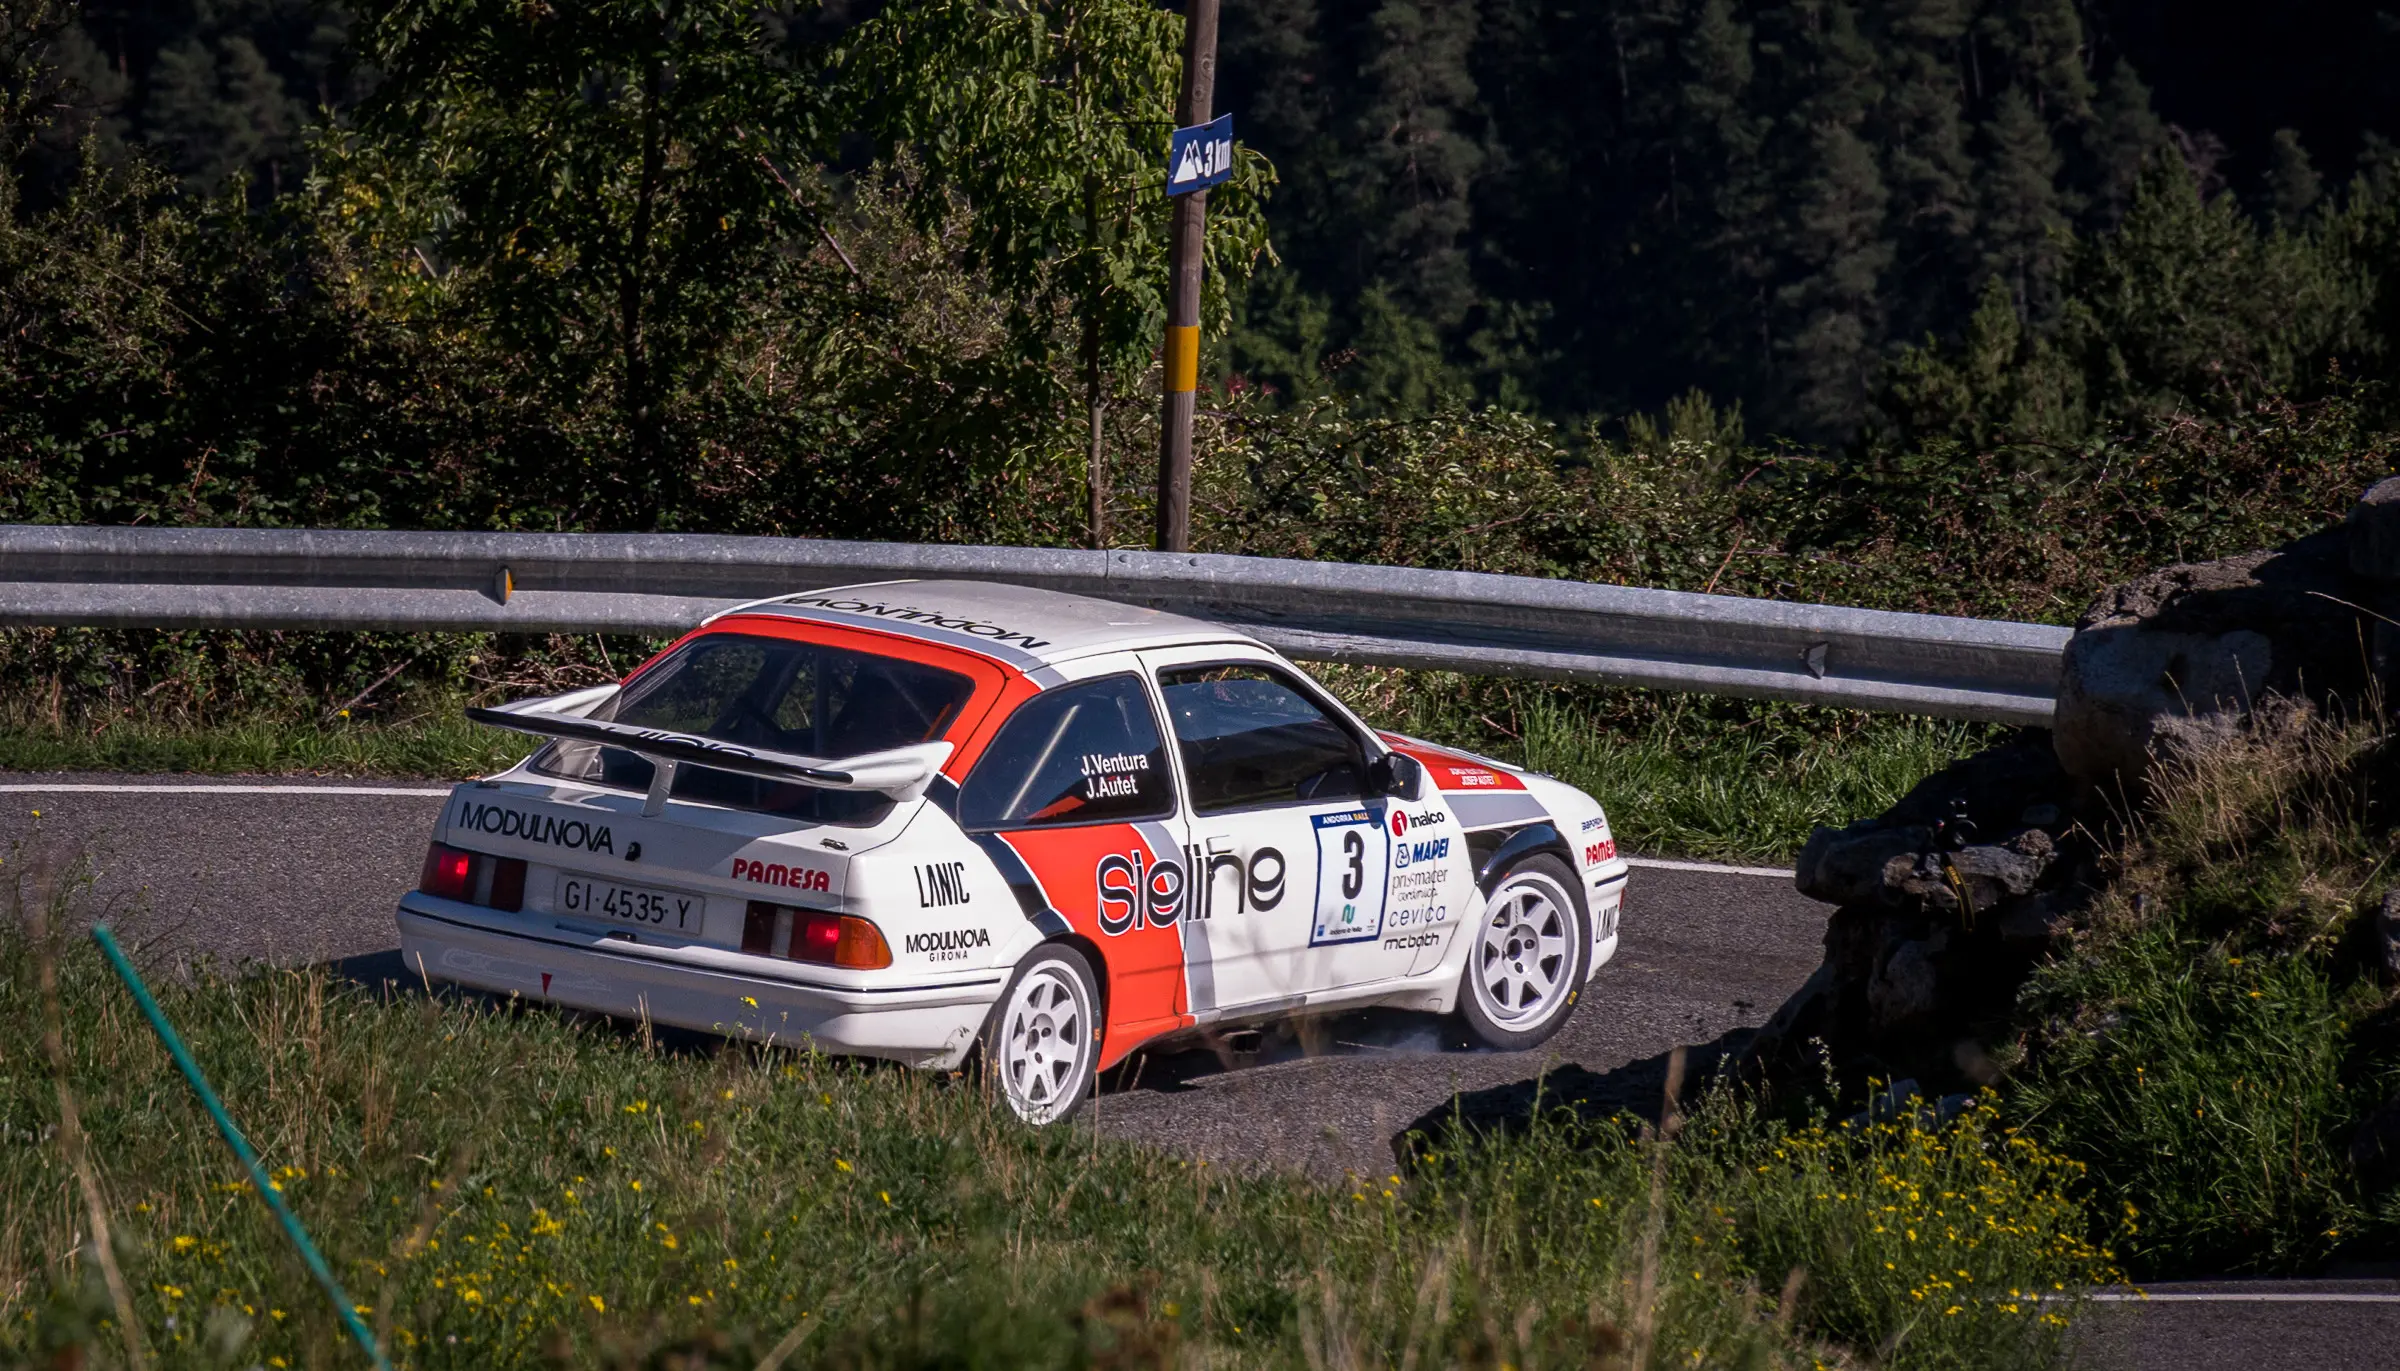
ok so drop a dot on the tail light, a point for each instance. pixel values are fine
(449, 873)
(473, 878)
(812, 935)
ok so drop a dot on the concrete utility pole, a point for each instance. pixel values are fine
(1184, 252)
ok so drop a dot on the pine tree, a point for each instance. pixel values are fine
(260, 122)
(2022, 230)
(2037, 47)
(2293, 186)
(2124, 131)
(218, 93)
(184, 123)
(1832, 301)
(1274, 77)
(1420, 155)
(82, 93)
(2189, 306)
(1837, 306)
(1726, 256)
(1918, 126)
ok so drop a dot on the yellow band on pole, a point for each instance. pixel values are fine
(1183, 357)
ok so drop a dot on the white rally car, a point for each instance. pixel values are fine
(925, 819)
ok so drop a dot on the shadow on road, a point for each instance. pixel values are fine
(378, 971)
(1638, 1088)
(1183, 1062)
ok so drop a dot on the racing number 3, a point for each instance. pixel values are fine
(1351, 857)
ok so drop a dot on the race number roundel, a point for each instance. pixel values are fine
(1353, 861)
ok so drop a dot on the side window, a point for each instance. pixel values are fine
(1251, 738)
(1077, 754)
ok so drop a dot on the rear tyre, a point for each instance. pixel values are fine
(1042, 1041)
(1526, 959)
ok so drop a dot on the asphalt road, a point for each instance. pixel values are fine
(256, 868)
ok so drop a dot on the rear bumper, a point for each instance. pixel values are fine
(928, 1026)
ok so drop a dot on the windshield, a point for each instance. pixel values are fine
(777, 695)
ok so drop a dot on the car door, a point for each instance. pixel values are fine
(1291, 863)
(1075, 789)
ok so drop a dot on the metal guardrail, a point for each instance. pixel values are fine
(657, 584)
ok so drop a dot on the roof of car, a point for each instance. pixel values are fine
(1017, 624)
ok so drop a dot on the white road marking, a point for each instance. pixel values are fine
(2236, 1297)
(1653, 863)
(223, 789)
(1662, 864)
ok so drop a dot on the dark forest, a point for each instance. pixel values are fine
(1595, 208)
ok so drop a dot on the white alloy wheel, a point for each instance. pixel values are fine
(1041, 1040)
(1526, 963)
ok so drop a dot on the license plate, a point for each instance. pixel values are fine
(632, 903)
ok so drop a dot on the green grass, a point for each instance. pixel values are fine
(1747, 791)
(2222, 1030)
(1729, 780)
(437, 742)
(1723, 780)
(505, 1187)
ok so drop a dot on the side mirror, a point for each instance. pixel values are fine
(1396, 775)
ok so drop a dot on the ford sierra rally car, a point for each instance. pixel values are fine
(943, 820)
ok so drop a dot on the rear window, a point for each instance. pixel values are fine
(777, 695)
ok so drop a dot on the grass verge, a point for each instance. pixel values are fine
(434, 741)
(2219, 1042)
(503, 1187)
(1728, 780)
(1717, 779)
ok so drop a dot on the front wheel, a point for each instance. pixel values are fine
(1042, 1040)
(1525, 965)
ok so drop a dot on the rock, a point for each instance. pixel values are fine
(2172, 657)
(1949, 1107)
(1986, 875)
(2387, 935)
(1905, 990)
(1997, 785)
(2034, 921)
(1889, 1103)
(2375, 1146)
(2373, 531)
(1803, 1016)
(1869, 865)
(1865, 863)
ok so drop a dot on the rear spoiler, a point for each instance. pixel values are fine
(902, 773)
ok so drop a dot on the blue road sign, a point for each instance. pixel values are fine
(1200, 156)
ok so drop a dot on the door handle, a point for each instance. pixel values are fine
(1220, 843)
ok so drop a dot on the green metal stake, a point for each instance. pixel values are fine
(241, 1147)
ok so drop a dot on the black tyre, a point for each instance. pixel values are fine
(1042, 1043)
(1526, 959)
